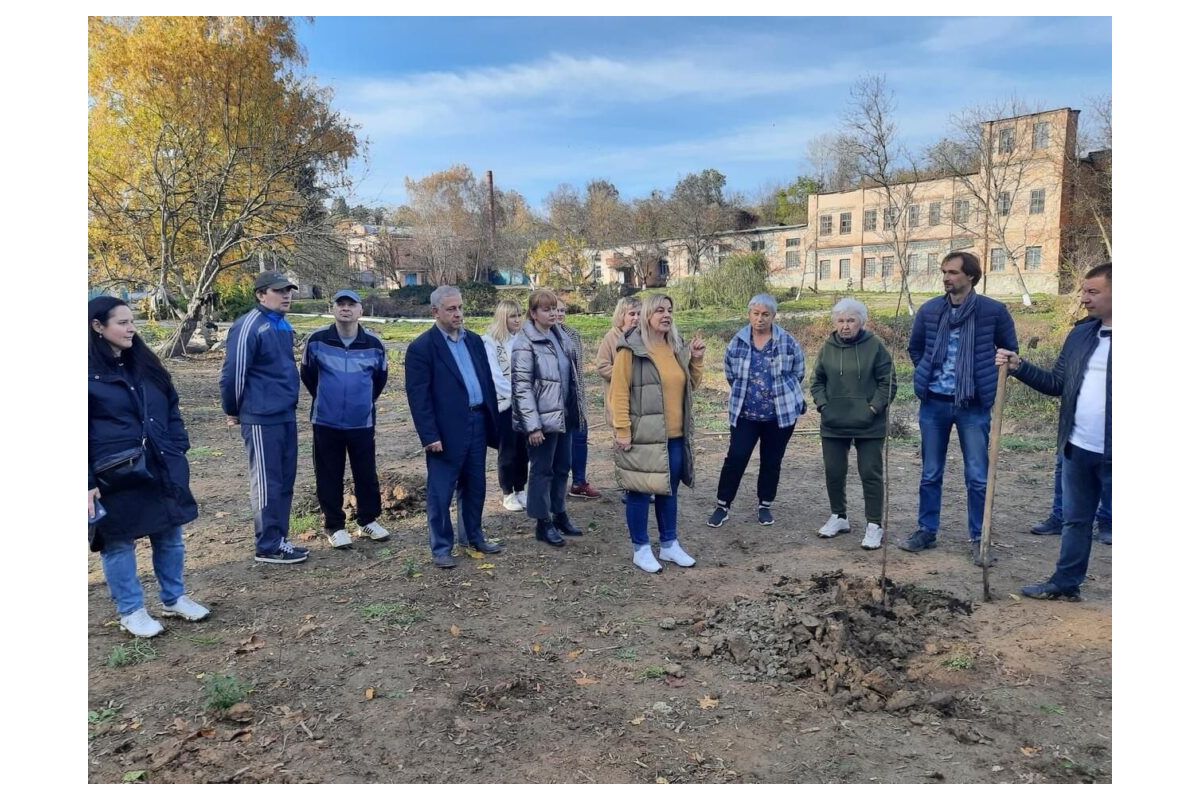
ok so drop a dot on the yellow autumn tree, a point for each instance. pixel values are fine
(207, 148)
(559, 262)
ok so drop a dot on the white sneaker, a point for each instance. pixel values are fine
(873, 537)
(142, 625)
(834, 526)
(644, 559)
(676, 554)
(512, 502)
(523, 498)
(339, 538)
(374, 530)
(187, 608)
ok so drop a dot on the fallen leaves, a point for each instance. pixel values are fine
(306, 628)
(474, 553)
(574, 654)
(486, 566)
(369, 693)
(455, 631)
(134, 776)
(239, 712)
(637, 720)
(583, 679)
(708, 702)
(537, 647)
(255, 642)
(1031, 751)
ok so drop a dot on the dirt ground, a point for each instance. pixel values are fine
(771, 660)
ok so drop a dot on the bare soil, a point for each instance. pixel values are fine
(772, 660)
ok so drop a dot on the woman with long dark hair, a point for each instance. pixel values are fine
(137, 468)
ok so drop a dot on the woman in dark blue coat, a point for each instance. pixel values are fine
(132, 403)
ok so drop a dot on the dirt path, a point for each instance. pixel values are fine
(570, 665)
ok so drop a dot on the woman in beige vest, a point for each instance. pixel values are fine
(625, 319)
(654, 375)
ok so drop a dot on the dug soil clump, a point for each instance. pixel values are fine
(833, 633)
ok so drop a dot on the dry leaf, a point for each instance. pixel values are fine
(487, 566)
(1014, 597)
(661, 779)
(255, 642)
(341, 601)
(707, 702)
(537, 648)
(442, 659)
(455, 630)
(1031, 751)
(221, 514)
(637, 720)
(369, 693)
(240, 712)
(306, 629)
(674, 682)
(474, 553)
(584, 680)
(574, 654)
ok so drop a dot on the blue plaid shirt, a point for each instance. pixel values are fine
(786, 362)
(944, 379)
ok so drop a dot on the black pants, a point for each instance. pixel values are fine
(836, 452)
(330, 446)
(513, 462)
(550, 466)
(772, 441)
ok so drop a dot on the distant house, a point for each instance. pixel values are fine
(381, 254)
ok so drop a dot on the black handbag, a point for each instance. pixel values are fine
(127, 469)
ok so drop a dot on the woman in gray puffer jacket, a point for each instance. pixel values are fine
(547, 407)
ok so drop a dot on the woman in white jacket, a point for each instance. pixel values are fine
(514, 454)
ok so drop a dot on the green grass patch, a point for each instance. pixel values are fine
(652, 673)
(959, 662)
(136, 652)
(627, 654)
(392, 614)
(1028, 444)
(106, 714)
(205, 640)
(302, 523)
(1050, 708)
(224, 691)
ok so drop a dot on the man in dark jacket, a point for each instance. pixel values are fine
(259, 391)
(345, 369)
(453, 403)
(1082, 376)
(953, 348)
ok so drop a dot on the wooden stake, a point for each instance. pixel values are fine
(887, 435)
(985, 541)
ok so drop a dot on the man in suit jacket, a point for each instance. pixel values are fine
(453, 403)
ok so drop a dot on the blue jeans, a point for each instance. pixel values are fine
(1087, 477)
(666, 507)
(579, 454)
(973, 423)
(1103, 510)
(120, 569)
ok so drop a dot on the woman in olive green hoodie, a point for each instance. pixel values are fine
(852, 384)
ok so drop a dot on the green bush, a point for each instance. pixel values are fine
(479, 299)
(604, 300)
(730, 285)
(233, 301)
(414, 295)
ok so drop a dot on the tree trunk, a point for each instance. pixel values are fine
(176, 344)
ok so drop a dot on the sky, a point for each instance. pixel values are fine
(643, 101)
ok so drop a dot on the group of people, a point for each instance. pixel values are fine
(519, 389)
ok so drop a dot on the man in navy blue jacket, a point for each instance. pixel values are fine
(453, 402)
(345, 369)
(1082, 376)
(259, 390)
(953, 348)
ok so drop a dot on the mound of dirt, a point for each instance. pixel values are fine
(834, 633)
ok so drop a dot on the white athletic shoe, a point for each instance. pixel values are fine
(142, 625)
(339, 538)
(374, 531)
(512, 502)
(644, 559)
(523, 498)
(834, 526)
(873, 537)
(676, 554)
(186, 608)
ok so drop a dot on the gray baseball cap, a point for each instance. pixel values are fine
(346, 293)
(273, 280)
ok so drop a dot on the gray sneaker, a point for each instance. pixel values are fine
(918, 541)
(976, 559)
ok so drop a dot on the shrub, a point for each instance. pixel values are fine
(233, 301)
(730, 285)
(479, 299)
(604, 300)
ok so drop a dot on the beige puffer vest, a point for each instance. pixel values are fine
(645, 467)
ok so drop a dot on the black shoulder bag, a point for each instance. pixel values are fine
(127, 469)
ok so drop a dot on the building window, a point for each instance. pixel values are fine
(869, 218)
(890, 218)
(844, 223)
(843, 269)
(868, 268)
(791, 243)
(826, 224)
(932, 264)
(1033, 258)
(935, 213)
(411, 279)
(888, 263)
(793, 259)
(823, 269)
(914, 216)
(596, 272)
(1007, 140)
(1037, 201)
(1041, 135)
(1004, 204)
(758, 245)
(664, 268)
(914, 263)
(997, 259)
(962, 209)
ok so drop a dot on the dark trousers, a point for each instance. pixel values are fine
(330, 448)
(579, 450)
(1103, 510)
(513, 461)
(549, 468)
(271, 450)
(772, 442)
(462, 474)
(1087, 477)
(836, 453)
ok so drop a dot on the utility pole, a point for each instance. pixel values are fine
(491, 222)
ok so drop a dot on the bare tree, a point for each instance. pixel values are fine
(698, 212)
(1088, 234)
(834, 161)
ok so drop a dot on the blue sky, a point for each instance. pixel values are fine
(644, 101)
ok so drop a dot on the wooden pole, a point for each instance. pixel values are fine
(985, 541)
(887, 435)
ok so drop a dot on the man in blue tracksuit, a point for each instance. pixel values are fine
(345, 369)
(259, 390)
(953, 349)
